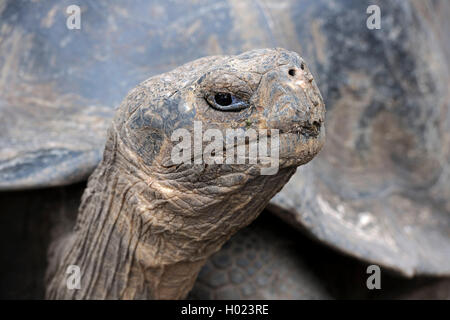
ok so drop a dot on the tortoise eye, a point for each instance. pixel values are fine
(225, 101)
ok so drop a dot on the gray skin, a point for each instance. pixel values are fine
(155, 222)
(379, 192)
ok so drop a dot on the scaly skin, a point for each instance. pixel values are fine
(146, 225)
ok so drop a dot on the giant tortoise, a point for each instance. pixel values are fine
(379, 191)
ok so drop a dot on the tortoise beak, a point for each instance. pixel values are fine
(291, 102)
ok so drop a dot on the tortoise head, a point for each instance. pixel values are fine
(258, 110)
(175, 131)
(171, 132)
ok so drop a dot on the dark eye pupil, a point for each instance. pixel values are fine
(223, 99)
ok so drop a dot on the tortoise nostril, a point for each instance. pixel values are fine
(292, 72)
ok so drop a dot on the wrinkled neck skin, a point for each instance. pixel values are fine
(145, 233)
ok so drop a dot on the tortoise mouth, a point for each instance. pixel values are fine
(308, 130)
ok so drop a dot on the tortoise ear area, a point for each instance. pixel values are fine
(160, 114)
(145, 118)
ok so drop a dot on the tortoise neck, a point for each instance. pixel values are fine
(121, 247)
(143, 235)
